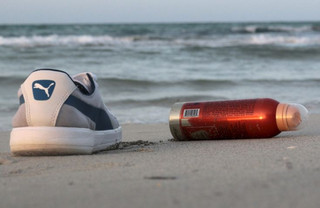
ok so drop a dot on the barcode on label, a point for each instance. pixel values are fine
(191, 113)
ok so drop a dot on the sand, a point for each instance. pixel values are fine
(157, 172)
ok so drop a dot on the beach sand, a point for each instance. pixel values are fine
(157, 172)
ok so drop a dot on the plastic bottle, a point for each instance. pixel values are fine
(235, 119)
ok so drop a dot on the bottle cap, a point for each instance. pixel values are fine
(291, 117)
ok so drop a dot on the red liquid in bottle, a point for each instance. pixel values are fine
(234, 119)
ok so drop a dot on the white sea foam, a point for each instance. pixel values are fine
(254, 39)
(270, 28)
(213, 42)
(55, 40)
(284, 40)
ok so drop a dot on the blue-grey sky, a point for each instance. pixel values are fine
(118, 11)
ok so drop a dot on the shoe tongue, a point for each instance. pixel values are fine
(84, 80)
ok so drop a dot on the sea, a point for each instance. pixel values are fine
(143, 69)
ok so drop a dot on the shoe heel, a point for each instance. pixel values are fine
(51, 141)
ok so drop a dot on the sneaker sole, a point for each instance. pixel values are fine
(61, 140)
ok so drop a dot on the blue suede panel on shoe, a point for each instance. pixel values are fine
(97, 115)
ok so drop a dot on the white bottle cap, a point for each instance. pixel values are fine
(291, 117)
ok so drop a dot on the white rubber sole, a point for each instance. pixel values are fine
(61, 140)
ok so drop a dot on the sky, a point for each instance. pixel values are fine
(140, 11)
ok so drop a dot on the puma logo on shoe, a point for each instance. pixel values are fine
(43, 89)
(39, 86)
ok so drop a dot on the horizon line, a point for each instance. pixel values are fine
(160, 22)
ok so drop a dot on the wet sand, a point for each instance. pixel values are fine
(151, 170)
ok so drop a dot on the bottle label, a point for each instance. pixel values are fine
(211, 120)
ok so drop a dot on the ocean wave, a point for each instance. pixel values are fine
(198, 85)
(56, 40)
(286, 40)
(145, 83)
(127, 83)
(281, 82)
(248, 40)
(162, 101)
(274, 29)
(193, 44)
(11, 79)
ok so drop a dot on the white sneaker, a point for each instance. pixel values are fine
(59, 115)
